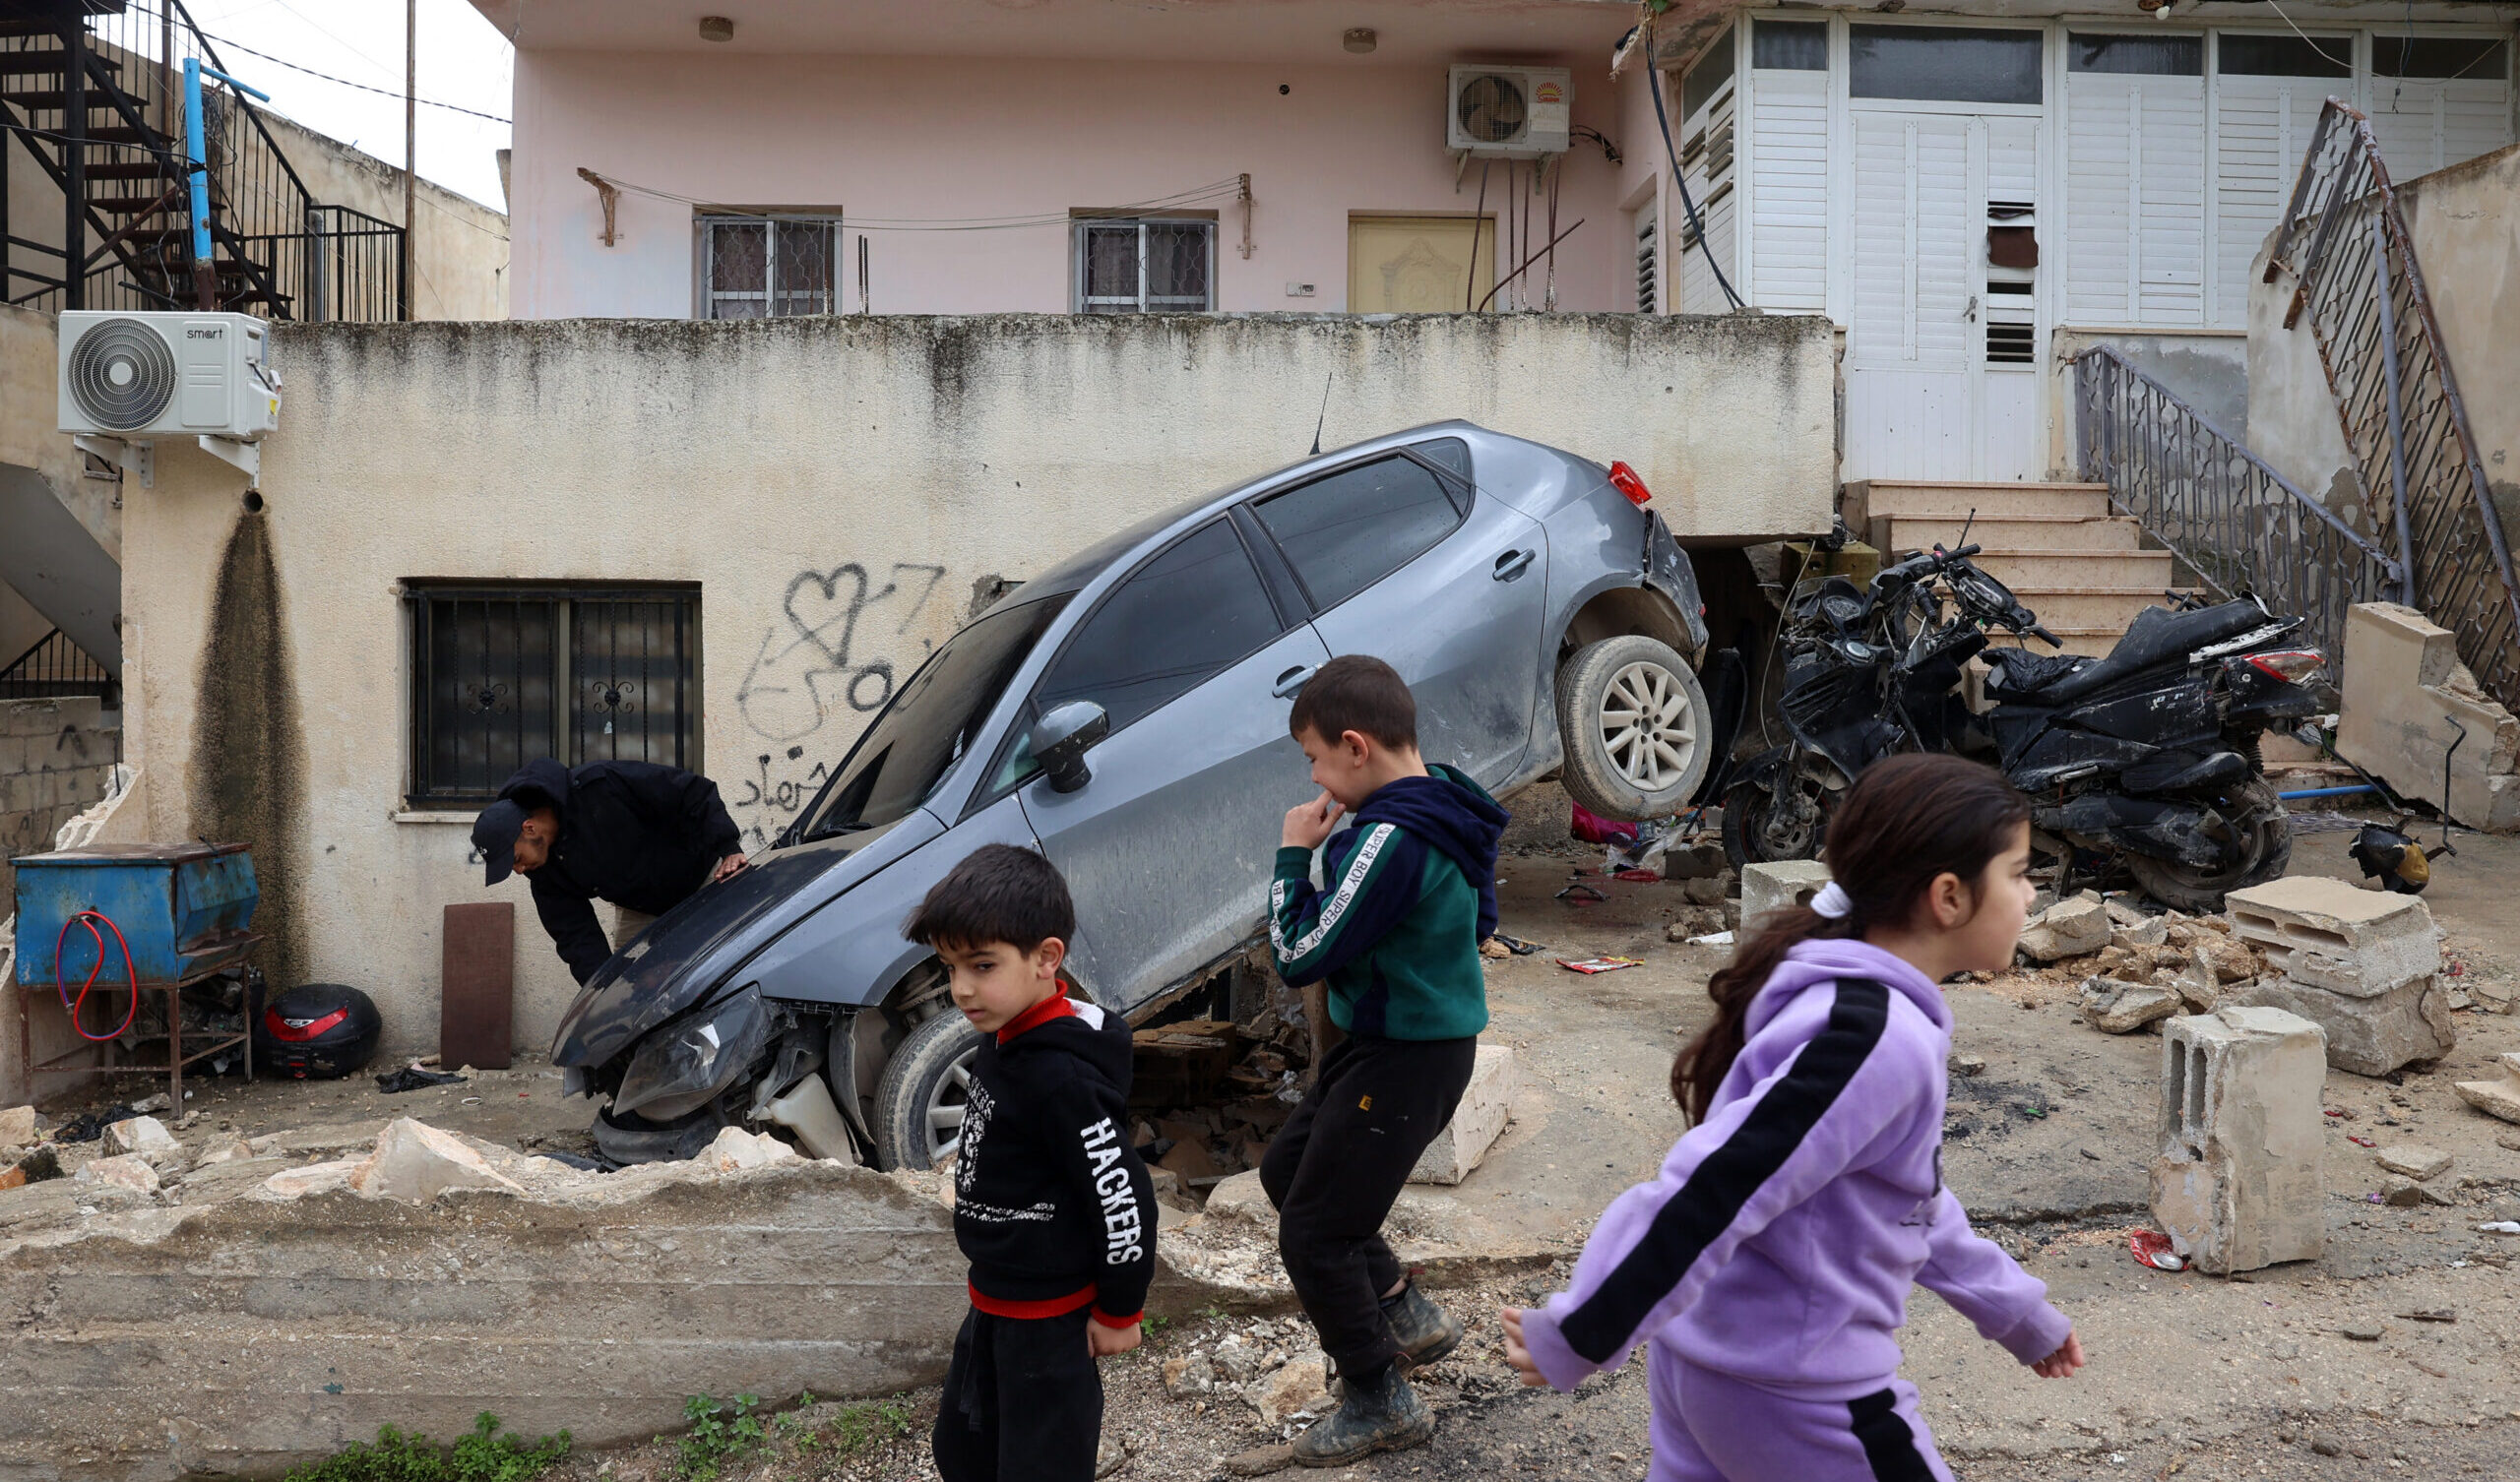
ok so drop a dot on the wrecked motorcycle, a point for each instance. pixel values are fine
(2147, 758)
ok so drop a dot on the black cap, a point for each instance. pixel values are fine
(494, 835)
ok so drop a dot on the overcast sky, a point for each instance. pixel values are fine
(464, 61)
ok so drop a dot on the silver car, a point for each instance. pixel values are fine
(1125, 713)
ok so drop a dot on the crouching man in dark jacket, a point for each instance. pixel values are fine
(640, 836)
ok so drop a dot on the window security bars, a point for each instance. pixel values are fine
(769, 266)
(501, 676)
(2346, 245)
(1148, 265)
(2240, 525)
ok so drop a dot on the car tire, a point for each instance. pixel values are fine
(1621, 764)
(926, 1081)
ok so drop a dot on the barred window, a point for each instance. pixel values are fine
(1148, 265)
(759, 267)
(503, 674)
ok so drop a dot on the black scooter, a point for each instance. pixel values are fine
(2148, 758)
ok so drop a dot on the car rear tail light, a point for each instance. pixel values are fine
(295, 1031)
(2291, 665)
(1623, 478)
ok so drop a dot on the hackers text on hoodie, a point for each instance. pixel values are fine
(1411, 893)
(632, 833)
(1051, 1202)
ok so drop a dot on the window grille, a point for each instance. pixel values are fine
(1148, 265)
(504, 674)
(768, 266)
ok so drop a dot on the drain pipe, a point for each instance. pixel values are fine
(196, 151)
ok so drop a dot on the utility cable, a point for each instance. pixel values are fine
(346, 83)
(1654, 81)
(1226, 189)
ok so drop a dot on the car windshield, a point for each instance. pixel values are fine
(930, 723)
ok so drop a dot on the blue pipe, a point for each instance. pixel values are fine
(197, 151)
(2327, 793)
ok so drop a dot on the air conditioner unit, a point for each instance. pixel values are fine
(1508, 112)
(160, 374)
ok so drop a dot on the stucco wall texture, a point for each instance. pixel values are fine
(836, 486)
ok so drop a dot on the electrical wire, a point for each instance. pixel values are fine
(1226, 189)
(1478, 220)
(2346, 62)
(1653, 82)
(130, 974)
(346, 83)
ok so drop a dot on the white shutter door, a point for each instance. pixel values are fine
(1790, 225)
(2262, 127)
(1710, 173)
(1909, 340)
(2101, 137)
(2171, 187)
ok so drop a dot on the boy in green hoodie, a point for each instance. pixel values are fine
(1410, 893)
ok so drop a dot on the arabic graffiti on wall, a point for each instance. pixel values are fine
(843, 638)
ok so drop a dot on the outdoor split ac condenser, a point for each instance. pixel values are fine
(1508, 112)
(134, 374)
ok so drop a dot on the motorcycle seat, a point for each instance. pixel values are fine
(2158, 634)
(2018, 671)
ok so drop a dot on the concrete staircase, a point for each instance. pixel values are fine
(2081, 569)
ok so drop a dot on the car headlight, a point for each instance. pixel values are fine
(682, 1066)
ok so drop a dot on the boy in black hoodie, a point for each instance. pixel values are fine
(1410, 893)
(1050, 1201)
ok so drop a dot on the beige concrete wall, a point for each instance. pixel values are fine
(459, 247)
(787, 466)
(56, 758)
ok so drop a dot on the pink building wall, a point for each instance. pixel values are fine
(925, 138)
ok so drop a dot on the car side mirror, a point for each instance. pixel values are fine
(1061, 738)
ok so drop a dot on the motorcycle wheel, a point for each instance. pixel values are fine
(2267, 848)
(1752, 836)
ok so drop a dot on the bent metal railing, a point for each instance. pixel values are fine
(2242, 527)
(2344, 242)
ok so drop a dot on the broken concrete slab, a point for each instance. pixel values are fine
(145, 1136)
(1241, 1197)
(2368, 1036)
(416, 1162)
(18, 1127)
(2152, 932)
(2068, 929)
(1487, 1105)
(313, 1178)
(2496, 1097)
(2413, 1159)
(2329, 935)
(2236, 1182)
(1774, 887)
(2402, 677)
(1294, 1391)
(2118, 1007)
(127, 1171)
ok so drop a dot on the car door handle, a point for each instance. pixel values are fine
(1290, 681)
(1513, 564)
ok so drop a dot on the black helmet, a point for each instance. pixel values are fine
(318, 1031)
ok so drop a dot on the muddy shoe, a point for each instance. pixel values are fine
(1380, 1414)
(1426, 1331)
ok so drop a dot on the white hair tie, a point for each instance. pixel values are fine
(1833, 902)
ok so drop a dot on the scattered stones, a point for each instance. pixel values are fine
(1293, 1392)
(2498, 1097)
(2412, 1161)
(225, 1151)
(2321, 1443)
(128, 1171)
(156, 1103)
(2361, 1333)
(18, 1127)
(1699, 861)
(2118, 1007)
(416, 1162)
(145, 1136)
(1767, 887)
(1709, 889)
(2407, 1193)
(2121, 914)
(1968, 1065)
(1238, 1359)
(1485, 1107)
(2151, 930)
(2236, 1182)
(2068, 929)
(1696, 921)
(1189, 1376)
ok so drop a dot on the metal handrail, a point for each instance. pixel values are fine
(2237, 524)
(2345, 242)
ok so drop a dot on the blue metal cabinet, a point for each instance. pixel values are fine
(185, 909)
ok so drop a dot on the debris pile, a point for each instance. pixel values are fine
(1208, 1094)
(2364, 965)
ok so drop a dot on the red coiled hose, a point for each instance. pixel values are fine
(130, 974)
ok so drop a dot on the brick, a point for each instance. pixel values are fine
(1769, 888)
(1476, 1123)
(2366, 1034)
(2236, 1183)
(2328, 934)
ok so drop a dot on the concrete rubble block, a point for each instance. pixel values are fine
(1769, 888)
(2118, 1007)
(2402, 677)
(737, 1149)
(2068, 929)
(1241, 1197)
(2124, 915)
(2328, 934)
(2368, 1036)
(312, 1178)
(416, 1162)
(2148, 933)
(1476, 1122)
(18, 1127)
(145, 1136)
(1189, 1376)
(2412, 1161)
(224, 1151)
(1296, 1390)
(128, 1171)
(2236, 1183)
(2498, 1096)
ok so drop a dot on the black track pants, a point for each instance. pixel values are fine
(1023, 1401)
(1334, 1170)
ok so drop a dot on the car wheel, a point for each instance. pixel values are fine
(919, 1102)
(1635, 724)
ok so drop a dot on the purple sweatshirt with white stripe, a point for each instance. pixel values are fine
(1781, 1238)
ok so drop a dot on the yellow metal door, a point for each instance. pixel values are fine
(1420, 265)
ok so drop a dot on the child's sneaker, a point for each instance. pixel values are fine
(1426, 1331)
(1381, 1414)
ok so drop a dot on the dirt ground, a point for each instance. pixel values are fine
(2190, 1376)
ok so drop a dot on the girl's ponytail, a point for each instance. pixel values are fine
(1908, 820)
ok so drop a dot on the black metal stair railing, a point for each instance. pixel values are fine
(92, 93)
(2240, 525)
(52, 669)
(2344, 243)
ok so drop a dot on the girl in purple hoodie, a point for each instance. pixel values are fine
(1768, 1266)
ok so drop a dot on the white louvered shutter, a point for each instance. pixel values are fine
(1790, 205)
(2426, 124)
(2261, 129)
(1709, 155)
(2134, 199)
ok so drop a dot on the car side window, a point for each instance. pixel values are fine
(1347, 532)
(1183, 616)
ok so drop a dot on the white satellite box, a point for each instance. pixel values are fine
(129, 378)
